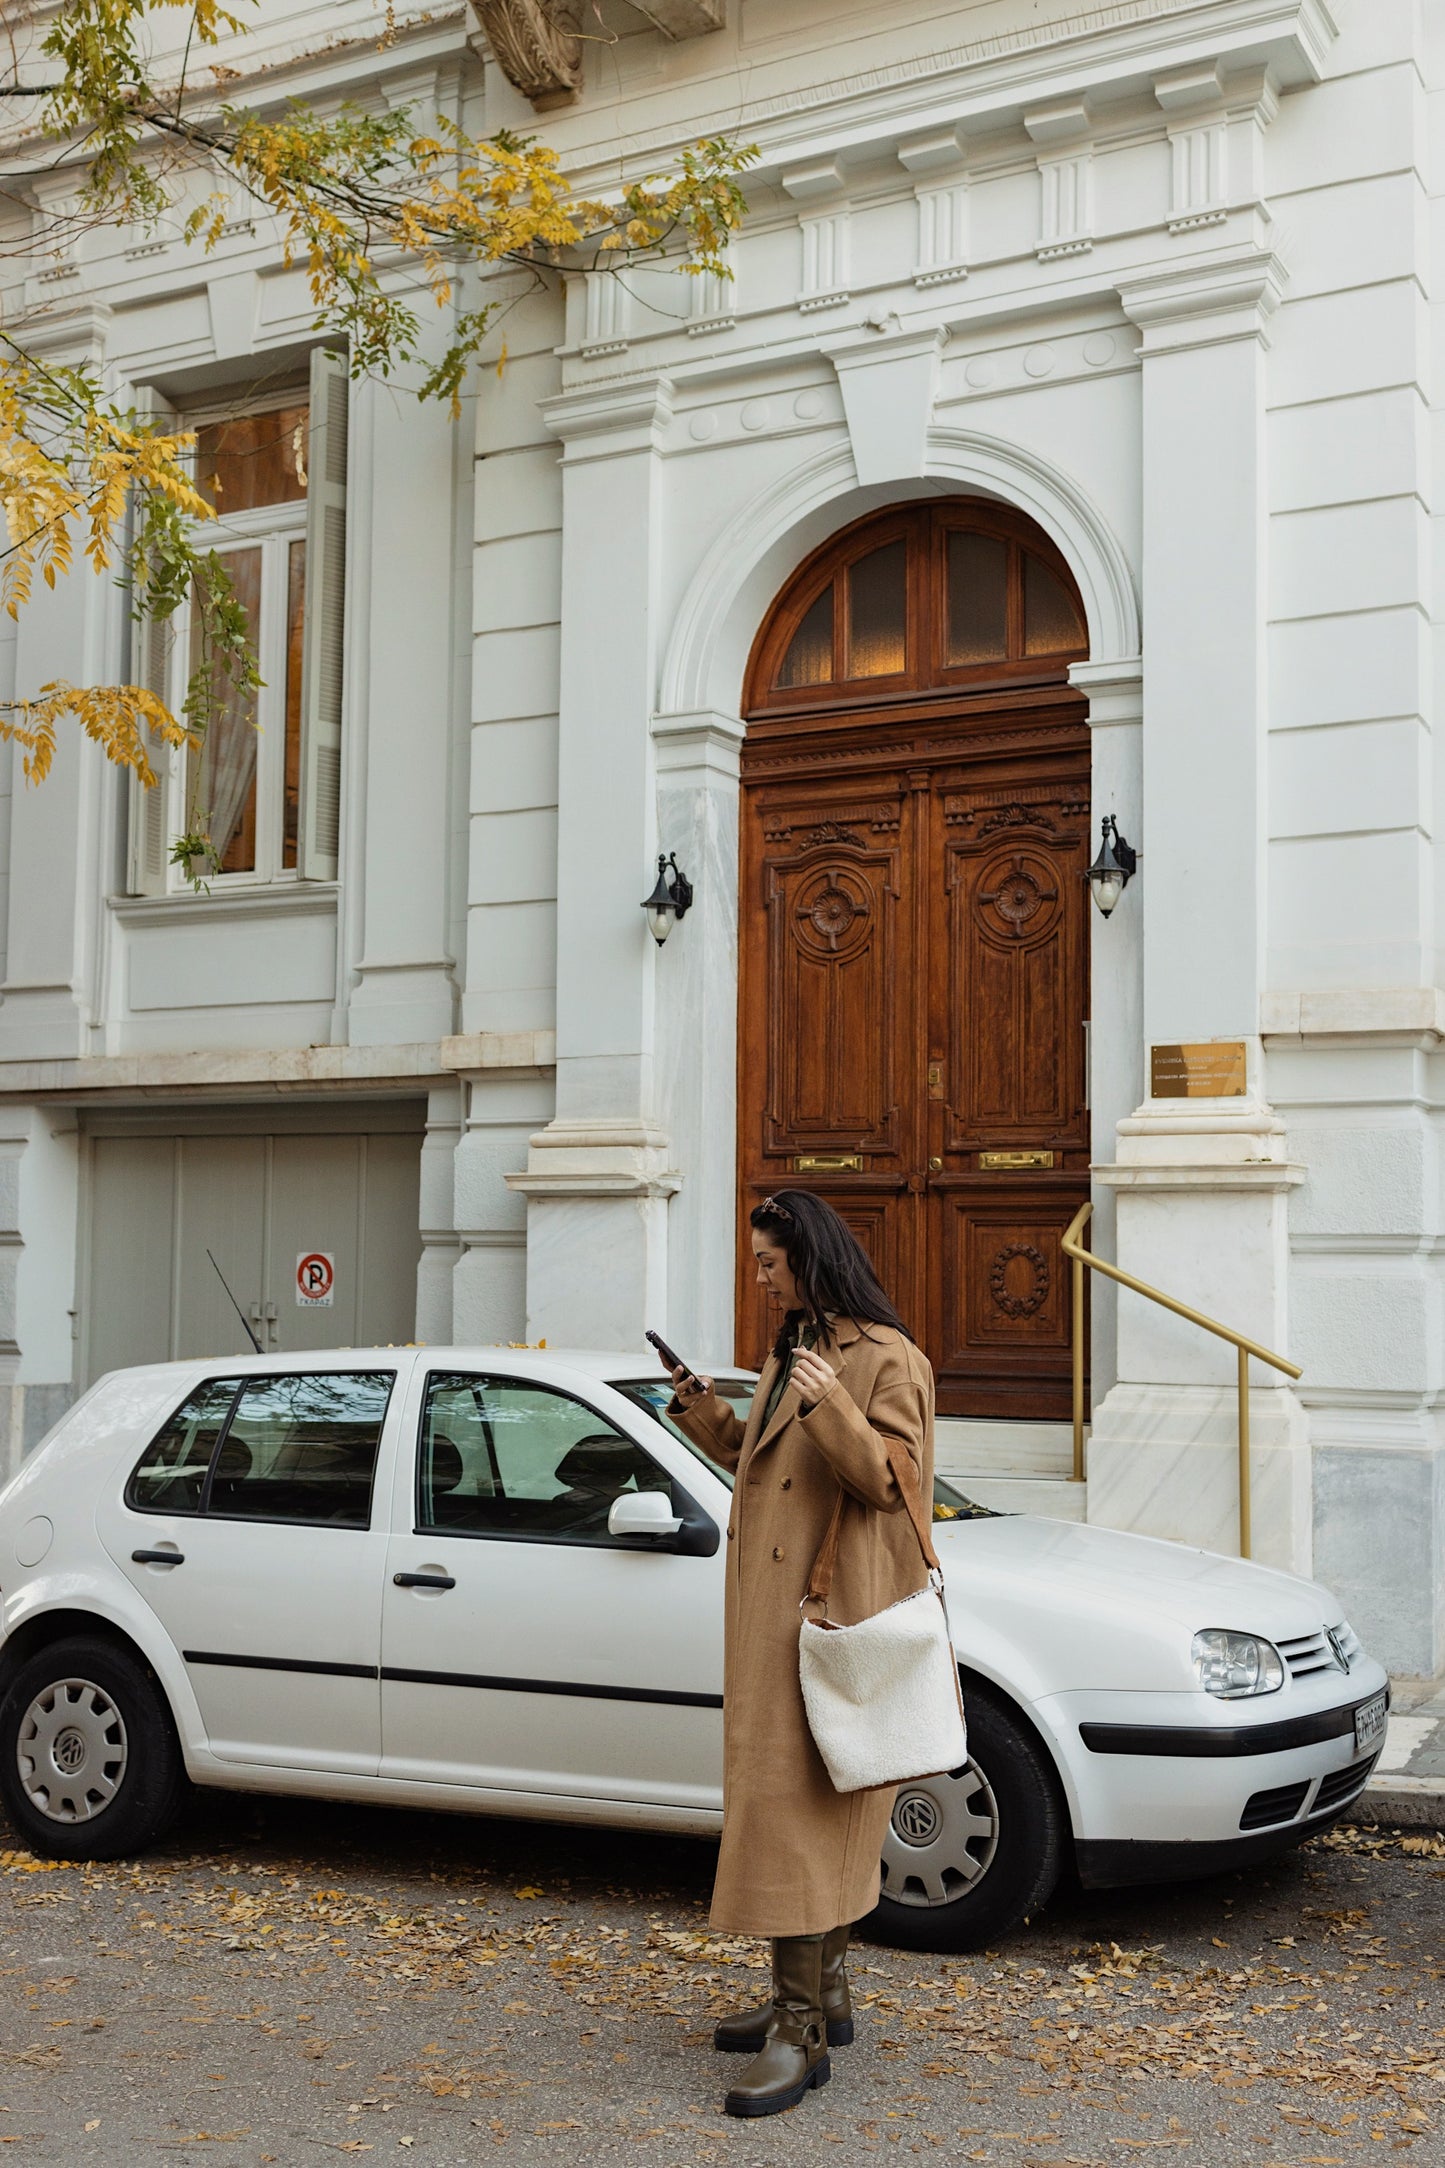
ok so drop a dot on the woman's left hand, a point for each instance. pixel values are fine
(813, 1377)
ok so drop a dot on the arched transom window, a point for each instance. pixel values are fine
(921, 599)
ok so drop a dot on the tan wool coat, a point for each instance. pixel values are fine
(798, 1857)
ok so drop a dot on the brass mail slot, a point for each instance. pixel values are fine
(1010, 1162)
(828, 1163)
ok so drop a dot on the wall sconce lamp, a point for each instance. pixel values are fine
(1109, 874)
(670, 899)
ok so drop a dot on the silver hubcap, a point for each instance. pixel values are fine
(941, 1840)
(71, 1751)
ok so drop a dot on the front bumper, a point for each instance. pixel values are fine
(1167, 1786)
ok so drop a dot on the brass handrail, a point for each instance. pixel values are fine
(1080, 1257)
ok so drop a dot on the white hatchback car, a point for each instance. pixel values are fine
(491, 1580)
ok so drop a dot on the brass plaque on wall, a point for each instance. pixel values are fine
(1211, 1069)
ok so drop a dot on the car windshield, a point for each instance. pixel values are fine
(653, 1394)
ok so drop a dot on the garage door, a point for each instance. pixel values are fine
(337, 1206)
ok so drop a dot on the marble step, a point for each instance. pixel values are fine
(963, 1446)
(1052, 1496)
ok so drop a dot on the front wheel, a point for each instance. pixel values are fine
(90, 1767)
(969, 1855)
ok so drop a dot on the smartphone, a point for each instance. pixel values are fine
(673, 1360)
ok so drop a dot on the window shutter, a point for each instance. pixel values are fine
(322, 640)
(148, 853)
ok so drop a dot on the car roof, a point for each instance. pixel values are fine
(606, 1365)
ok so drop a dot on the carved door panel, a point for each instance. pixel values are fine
(1009, 1157)
(828, 1036)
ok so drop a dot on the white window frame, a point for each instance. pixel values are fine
(162, 661)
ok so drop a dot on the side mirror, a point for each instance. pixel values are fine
(642, 1513)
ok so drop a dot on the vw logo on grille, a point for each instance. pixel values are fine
(1339, 1648)
(916, 1818)
(68, 1752)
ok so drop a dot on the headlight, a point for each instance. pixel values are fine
(1234, 1665)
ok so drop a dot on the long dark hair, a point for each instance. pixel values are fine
(828, 1262)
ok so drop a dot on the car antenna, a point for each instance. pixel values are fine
(250, 1328)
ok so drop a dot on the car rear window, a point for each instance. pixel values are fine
(300, 1447)
(171, 1473)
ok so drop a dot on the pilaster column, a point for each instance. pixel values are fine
(599, 1176)
(697, 997)
(1115, 692)
(60, 858)
(1200, 1184)
(411, 472)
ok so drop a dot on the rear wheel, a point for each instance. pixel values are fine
(970, 1854)
(90, 1767)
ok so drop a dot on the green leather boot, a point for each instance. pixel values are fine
(744, 2033)
(794, 2054)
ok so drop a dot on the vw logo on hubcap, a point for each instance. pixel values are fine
(916, 1818)
(68, 1752)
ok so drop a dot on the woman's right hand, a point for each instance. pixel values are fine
(689, 1389)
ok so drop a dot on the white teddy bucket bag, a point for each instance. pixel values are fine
(882, 1697)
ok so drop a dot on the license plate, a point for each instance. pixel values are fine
(1370, 1722)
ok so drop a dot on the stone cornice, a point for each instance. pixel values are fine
(289, 1072)
(1206, 302)
(609, 420)
(1405, 1015)
(987, 84)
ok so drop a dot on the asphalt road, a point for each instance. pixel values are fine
(286, 1980)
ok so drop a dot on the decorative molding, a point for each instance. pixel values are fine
(1066, 204)
(712, 302)
(289, 1070)
(713, 626)
(942, 234)
(611, 421)
(1412, 1015)
(606, 322)
(1227, 297)
(826, 251)
(889, 384)
(813, 182)
(1114, 690)
(536, 46)
(939, 151)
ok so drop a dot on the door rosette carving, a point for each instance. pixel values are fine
(832, 911)
(1019, 896)
(1018, 1279)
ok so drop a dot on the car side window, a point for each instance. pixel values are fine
(302, 1448)
(171, 1473)
(499, 1457)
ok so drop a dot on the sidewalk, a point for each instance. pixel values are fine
(1408, 1786)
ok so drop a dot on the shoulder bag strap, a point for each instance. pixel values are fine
(905, 1475)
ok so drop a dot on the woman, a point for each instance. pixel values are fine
(843, 1388)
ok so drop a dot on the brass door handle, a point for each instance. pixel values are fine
(934, 1163)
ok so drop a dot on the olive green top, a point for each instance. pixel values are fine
(803, 1336)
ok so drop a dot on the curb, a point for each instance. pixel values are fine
(1402, 1802)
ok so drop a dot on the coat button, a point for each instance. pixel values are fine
(777, 1553)
(787, 1482)
(730, 1535)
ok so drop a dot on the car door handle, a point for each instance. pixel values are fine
(158, 1558)
(423, 1580)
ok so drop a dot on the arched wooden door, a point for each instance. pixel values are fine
(914, 937)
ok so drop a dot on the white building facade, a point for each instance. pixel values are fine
(1139, 297)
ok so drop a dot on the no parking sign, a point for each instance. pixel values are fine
(315, 1280)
